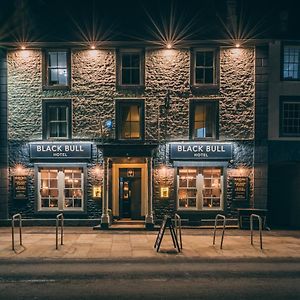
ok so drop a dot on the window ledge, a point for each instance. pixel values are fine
(56, 87)
(210, 86)
(134, 87)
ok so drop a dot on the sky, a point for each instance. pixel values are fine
(72, 20)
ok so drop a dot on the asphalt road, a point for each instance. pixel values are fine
(150, 279)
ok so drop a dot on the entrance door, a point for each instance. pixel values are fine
(130, 193)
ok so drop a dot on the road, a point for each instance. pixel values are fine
(162, 278)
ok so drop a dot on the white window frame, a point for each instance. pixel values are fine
(199, 194)
(291, 63)
(61, 187)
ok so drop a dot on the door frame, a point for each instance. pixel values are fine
(116, 183)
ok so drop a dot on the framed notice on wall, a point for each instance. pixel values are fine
(20, 186)
(240, 188)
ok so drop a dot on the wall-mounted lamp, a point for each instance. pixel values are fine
(97, 191)
(167, 100)
(164, 192)
(169, 46)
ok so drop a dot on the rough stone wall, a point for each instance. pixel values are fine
(237, 87)
(93, 93)
(24, 95)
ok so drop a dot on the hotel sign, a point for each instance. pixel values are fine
(60, 150)
(201, 151)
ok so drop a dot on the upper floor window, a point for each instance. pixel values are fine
(291, 63)
(204, 67)
(130, 120)
(203, 119)
(290, 116)
(56, 69)
(131, 68)
(56, 119)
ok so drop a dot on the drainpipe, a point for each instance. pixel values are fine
(149, 223)
(105, 216)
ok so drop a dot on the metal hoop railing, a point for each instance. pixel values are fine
(13, 219)
(218, 216)
(60, 217)
(259, 227)
(177, 223)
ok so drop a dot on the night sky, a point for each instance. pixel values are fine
(66, 20)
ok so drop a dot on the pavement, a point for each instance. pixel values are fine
(86, 243)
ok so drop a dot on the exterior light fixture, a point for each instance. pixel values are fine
(237, 45)
(97, 191)
(164, 192)
(23, 47)
(169, 46)
(93, 46)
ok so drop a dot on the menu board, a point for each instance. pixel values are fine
(20, 184)
(240, 188)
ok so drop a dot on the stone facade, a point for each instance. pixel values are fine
(93, 93)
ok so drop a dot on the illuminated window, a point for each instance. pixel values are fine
(131, 68)
(130, 119)
(56, 119)
(203, 120)
(204, 67)
(290, 116)
(56, 69)
(291, 63)
(200, 188)
(60, 189)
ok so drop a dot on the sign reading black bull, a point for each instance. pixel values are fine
(201, 151)
(63, 150)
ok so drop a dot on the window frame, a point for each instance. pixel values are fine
(282, 78)
(38, 210)
(216, 67)
(45, 117)
(282, 101)
(119, 69)
(200, 187)
(46, 85)
(215, 125)
(121, 103)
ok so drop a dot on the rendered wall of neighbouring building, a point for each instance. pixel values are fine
(3, 137)
(93, 93)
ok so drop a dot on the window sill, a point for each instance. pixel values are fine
(134, 87)
(205, 88)
(56, 87)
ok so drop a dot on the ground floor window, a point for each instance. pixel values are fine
(200, 188)
(60, 188)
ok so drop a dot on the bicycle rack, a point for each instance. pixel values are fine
(177, 223)
(60, 217)
(259, 227)
(13, 219)
(218, 216)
